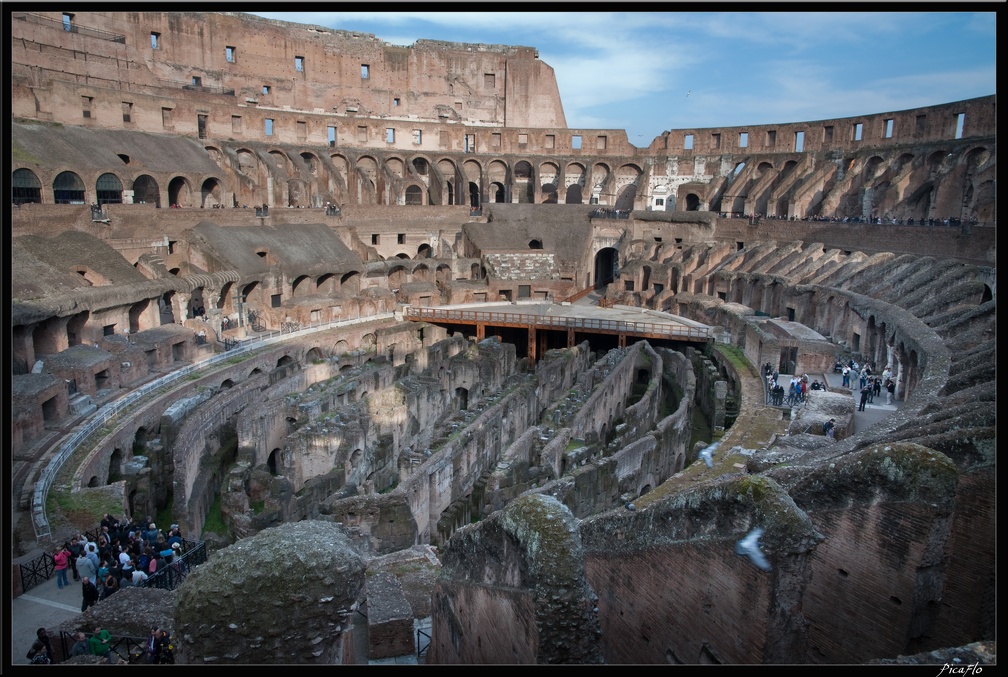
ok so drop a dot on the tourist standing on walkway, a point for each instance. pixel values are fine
(89, 593)
(62, 561)
(76, 550)
(890, 390)
(86, 568)
(865, 391)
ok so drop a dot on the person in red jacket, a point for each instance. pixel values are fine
(62, 561)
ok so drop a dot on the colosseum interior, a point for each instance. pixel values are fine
(229, 233)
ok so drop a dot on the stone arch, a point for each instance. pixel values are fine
(447, 170)
(248, 163)
(396, 277)
(325, 284)
(222, 298)
(166, 303)
(281, 162)
(444, 273)
(311, 162)
(115, 465)
(298, 193)
(414, 195)
(314, 354)
(350, 282)
(524, 182)
(606, 260)
(75, 327)
(395, 166)
(936, 159)
(274, 461)
(904, 160)
(692, 202)
(247, 291)
(140, 438)
(367, 180)
(424, 251)
(600, 174)
(627, 178)
(68, 188)
(211, 193)
(26, 187)
(301, 286)
(108, 189)
(473, 172)
(179, 192)
(136, 316)
(574, 183)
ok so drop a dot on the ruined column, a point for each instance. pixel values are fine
(180, 306)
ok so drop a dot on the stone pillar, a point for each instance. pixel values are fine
(898, 378)
(180, 306)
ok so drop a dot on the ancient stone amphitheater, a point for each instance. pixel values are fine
(222, 226)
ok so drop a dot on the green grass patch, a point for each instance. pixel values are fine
(258, 507)
(164, 518)
(20, 155)
(737, 358)
(84, 509)
(214, 521)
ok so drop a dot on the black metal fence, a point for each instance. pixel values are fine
(422, 642)
(169, 578)
(128, 649)
(41, 568)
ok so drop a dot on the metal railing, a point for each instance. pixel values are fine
(69, 27)
(422, 646)
(40, 569)
(110, 411)
(129, 649)
(176, 571)
(656, 329)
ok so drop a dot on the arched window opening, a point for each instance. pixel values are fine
(26, 187)
(68, 189)
(414, 196)
(146, 191)
(109, 189)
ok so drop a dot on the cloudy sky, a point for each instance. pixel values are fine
(647, 72)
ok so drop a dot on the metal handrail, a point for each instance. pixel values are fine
(47, 476)
(69, 27)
